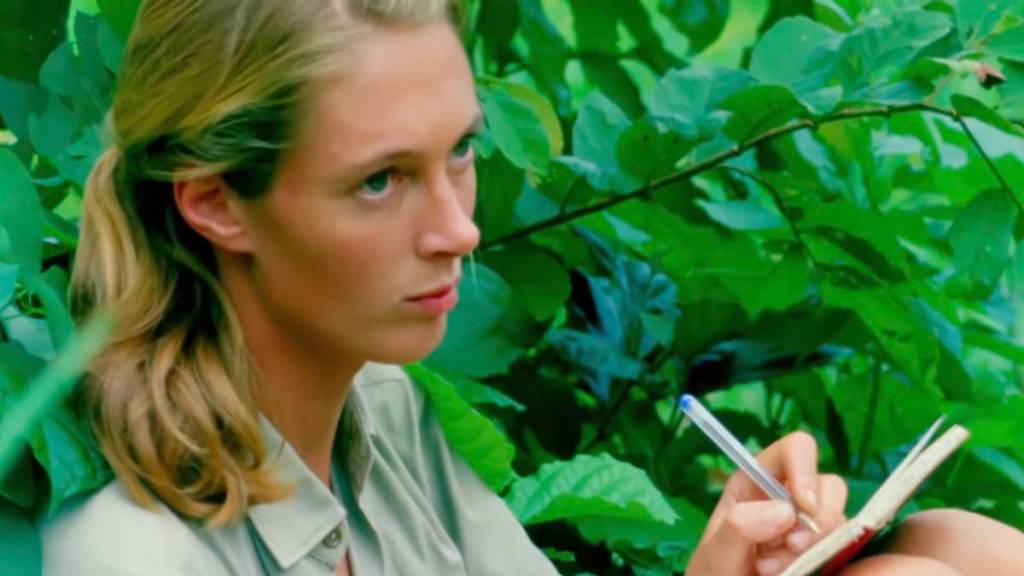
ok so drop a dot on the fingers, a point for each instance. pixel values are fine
(833, 493)
(794, 460)
(730, 549)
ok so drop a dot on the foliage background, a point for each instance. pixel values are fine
(805, 211)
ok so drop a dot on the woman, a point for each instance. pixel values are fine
(279, 222)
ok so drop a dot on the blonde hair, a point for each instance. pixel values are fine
(207, 87)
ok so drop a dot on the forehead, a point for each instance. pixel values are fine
(403, 88)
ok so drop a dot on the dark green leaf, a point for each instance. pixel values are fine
(540, 281)
(701, 20)
(759, 109)
(120, 14)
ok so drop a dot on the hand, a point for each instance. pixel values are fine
(748, 534)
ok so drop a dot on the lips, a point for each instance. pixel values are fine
(434, 293)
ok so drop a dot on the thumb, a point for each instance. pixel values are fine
(731, 549)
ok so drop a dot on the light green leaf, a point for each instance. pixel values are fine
(742, 215)
(586, 487)
(688, 100)
(1008, 44)
(595, 140)
(791, 54)
(471, 435)
(21, 216)
(522, 123)
(977, 18)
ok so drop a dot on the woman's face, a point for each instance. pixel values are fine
(374, 205)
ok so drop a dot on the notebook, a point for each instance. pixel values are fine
(834, 551)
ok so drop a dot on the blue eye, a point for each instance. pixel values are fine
(378, 182)
(463, 148)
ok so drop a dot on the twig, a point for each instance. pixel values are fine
(991, 164)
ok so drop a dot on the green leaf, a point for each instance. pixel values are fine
(650, 151)
(742, 215)
(588, 487)
(790, 54)
(595, 139)
(879, 49)
(489, 320)
(759, 109)
(701, 20)
(65, 448)
(599, 354)
(890, 319)
(522, 122)
(968, 106)
(20, 547)
(682, 536)
(47, 390)
(471, 435)
(30, 31)
(688, 100)
(501, 185)
(540, 281)
(120, 14)
(8, 278)
(20, 215)
(982, 236)
(975, 20)
(1008, 44)
(51, 287)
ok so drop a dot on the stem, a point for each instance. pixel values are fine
(990, 163)
(869, 424)
(714, 161)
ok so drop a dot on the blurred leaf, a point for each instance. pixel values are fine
(30, 31)
(21, 547)
(1008, 44)
(586, 487)
(20, 215)
(701, 20)
(471, 435)
(742, 215)
(975, 20)
(595, 138)
(758, 109)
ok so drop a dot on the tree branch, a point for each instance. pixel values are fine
(716, 160)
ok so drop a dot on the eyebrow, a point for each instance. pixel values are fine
(384, 158)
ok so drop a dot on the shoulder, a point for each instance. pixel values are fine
(107, 533)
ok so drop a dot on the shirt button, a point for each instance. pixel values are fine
(333, 538)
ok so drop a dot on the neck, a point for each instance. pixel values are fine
(301, 390)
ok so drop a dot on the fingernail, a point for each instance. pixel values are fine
(768, 566)
(798, 540)
(812, 500)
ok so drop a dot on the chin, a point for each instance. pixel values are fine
(410, 344)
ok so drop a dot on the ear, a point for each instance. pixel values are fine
(213, 210)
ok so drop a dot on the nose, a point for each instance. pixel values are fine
(447, 219)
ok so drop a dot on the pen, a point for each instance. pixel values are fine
(740, 455)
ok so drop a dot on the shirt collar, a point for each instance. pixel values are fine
(291, 528)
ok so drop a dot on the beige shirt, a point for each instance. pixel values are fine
(406, 505)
